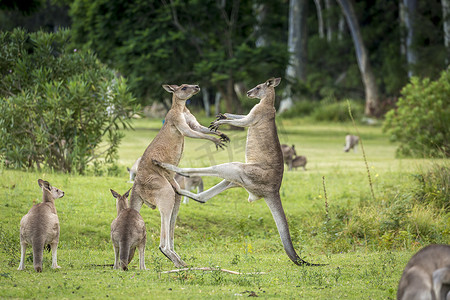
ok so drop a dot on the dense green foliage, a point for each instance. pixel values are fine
(421, 120)
(58, 105)
(153, 42)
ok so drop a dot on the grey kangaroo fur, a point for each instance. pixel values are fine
(351, 141)
(288, 155)
(155, 186)
(299, 161)
(262, 174)
(427, 275)
(40, 226)
(134, 170)
(127, 233)
(189, 183)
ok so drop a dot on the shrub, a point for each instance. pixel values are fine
(434, 185)
(420, 121)
(300, 109)
(59, 107)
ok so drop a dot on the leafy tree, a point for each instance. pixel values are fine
(155, 42)
(421, 121)
(59, 107)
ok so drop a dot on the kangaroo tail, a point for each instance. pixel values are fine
(124, 253)
(38, 253)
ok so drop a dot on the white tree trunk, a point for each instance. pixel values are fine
(368, 78)
(319, 18)
(446, 25)
(411, 55)
(205, 94)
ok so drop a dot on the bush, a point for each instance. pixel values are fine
(420, 121)
(59, 107)
(334, 111)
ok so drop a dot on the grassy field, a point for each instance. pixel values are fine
(365, 242)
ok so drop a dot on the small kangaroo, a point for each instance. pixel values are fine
(40, 227)
(350, 142)
(299, 161)
(133, 170)
(262, 173)
(155, 186)
(127, 233)
(189, 183)
(288, 155)
(427, 275)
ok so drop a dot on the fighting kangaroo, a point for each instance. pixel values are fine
(262, 173)
(427, 275)
(155, 186)
(127, 233)
(40, 227)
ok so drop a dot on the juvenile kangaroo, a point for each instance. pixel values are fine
(155, 186)
(288, 155)
(189, 183)
(262, 173)
(299, 161)
(427, 275)
(133, 170)
(127, 233)
(40, 227)
(351, 141)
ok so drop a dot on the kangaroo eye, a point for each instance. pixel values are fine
(184, 88)
(257, 88)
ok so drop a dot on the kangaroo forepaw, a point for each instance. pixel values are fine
(221, 116)
(213, 126)
(220, 145)
(156, 162)
(224, 138)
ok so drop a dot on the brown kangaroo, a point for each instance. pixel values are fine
(427, 275)
(262, 173)
(40, 227)
(288, 155)
(153, 185)
(127, 233)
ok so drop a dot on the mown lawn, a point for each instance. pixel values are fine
(365, 242)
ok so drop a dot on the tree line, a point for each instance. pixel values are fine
(323, 48)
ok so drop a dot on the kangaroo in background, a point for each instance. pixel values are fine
(127, 233)
(155, 186)
(189, 183)
(299, 161)
(427, 275)
(288, 155)
(40, 226)
(262, 174)
(133, 170)
(350, 142)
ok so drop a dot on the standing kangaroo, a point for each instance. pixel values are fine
(127, 233)
(262, 173)
(40, 226)
(427, 275)
(155, 186)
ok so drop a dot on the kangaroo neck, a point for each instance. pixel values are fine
(269, 99)
(47, 197)
(121, 206)
(178, 104)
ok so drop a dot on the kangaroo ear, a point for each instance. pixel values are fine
(293, 146)
(128, 169)
(127, 193)
(170, 88)
(114, 193)
(273, 81)
(44, 184)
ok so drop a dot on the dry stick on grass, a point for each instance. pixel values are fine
(212, 269)
(362, 149)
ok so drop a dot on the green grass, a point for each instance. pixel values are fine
(364, 242)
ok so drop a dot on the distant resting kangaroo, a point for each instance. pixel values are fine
(155, 186)
(40, 227)
(427, 275)
(262, 173)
